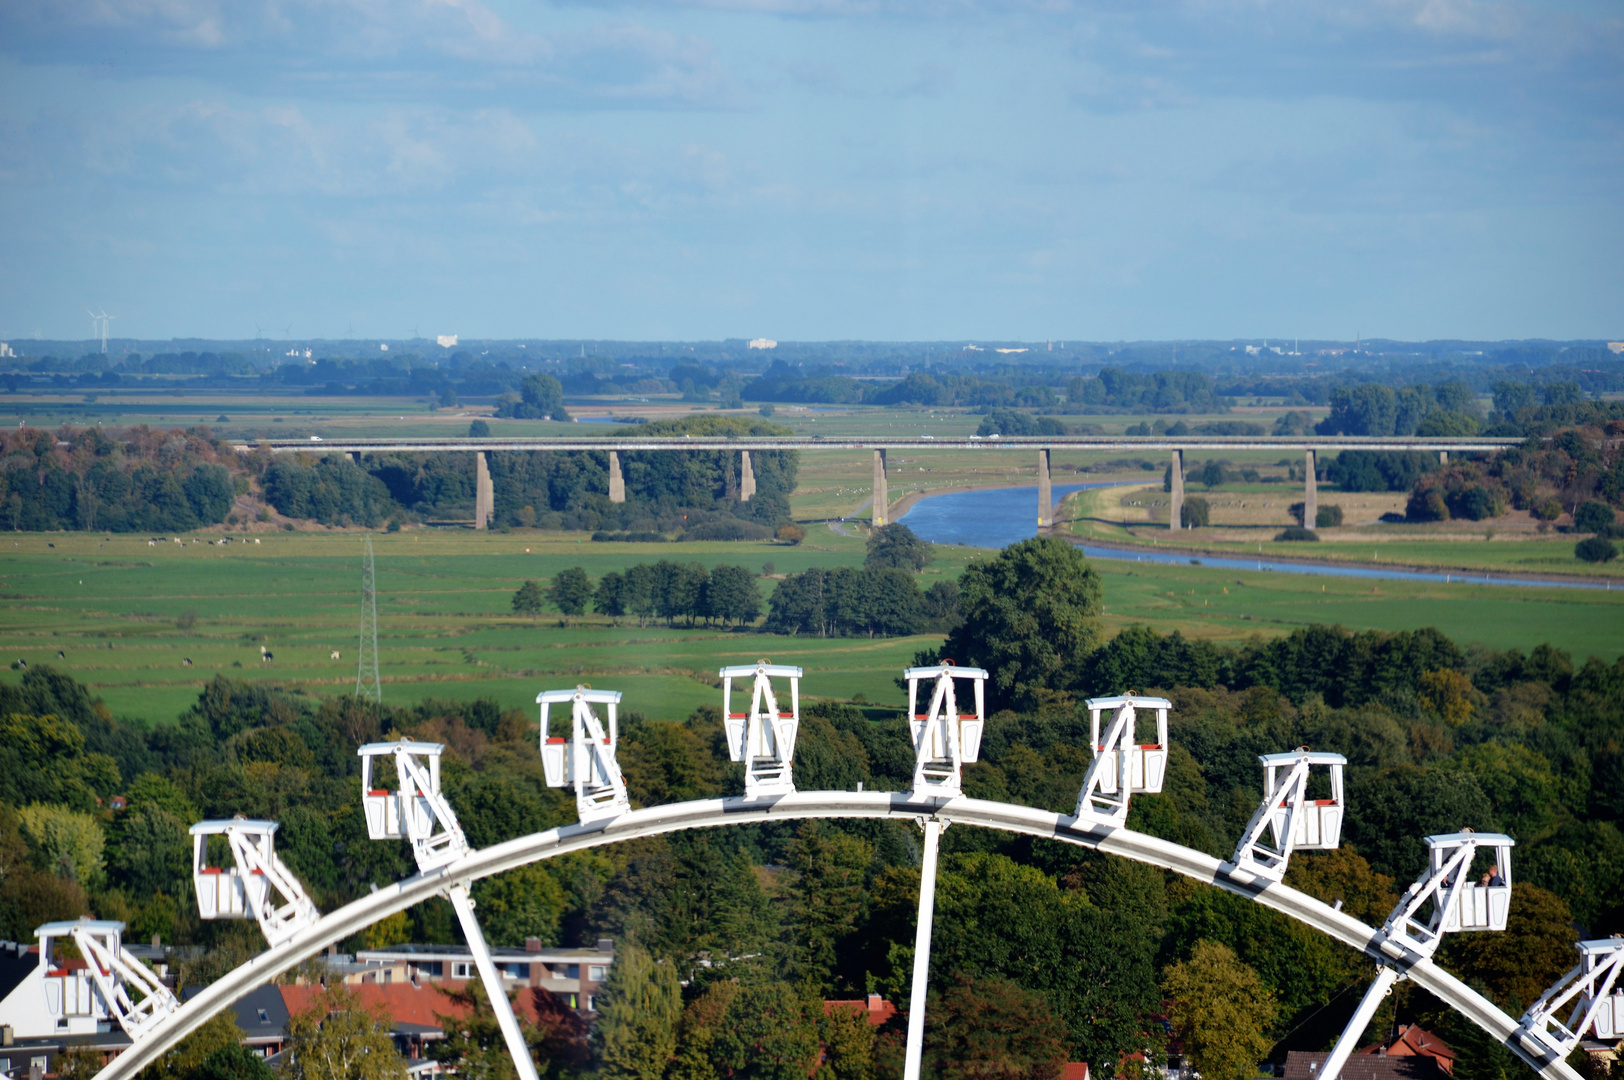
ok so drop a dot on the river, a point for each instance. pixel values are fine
(998, 517)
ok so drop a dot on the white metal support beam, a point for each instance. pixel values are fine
(921, 962)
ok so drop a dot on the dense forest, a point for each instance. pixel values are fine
(1061, 953)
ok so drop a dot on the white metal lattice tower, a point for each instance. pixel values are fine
(367, 683)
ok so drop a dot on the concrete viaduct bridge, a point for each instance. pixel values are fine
(1042, 446)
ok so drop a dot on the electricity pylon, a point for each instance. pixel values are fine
(367, 683)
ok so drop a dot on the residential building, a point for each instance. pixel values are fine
(574, 975)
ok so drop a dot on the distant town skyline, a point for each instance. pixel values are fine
(811, 170)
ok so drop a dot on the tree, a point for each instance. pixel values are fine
(186, 1061)
(479, 429)
(525, 902)
(64, 843)
(995, 917)
(474, 1046)
(638, 1010)
(896, 545)
(527, 601)
(233, 1062)
(1533, 951)
(337, 1038)
(827, 896)
(791, 533)
(941, 605)
(1368, 409)
(540, 397)
(1212, 474)
(1343, 875)
(1195, 513)
(1593, 516)
(991, 1029)
(149, 851)
(768, 1033)
(1595, 549)
(1031, 614)
(1221, 1011)
(610, 596)
(570, 591)
(731, 595)
(848, 1043)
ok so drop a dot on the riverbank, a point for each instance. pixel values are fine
(1490, 560)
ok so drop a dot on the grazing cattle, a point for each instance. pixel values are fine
(60, 655)
(21, 662)
(187, 660)
(266, 657)
(334, 656)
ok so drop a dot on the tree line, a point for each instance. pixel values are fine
(663, 590)
(140, 481)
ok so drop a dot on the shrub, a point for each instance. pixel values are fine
(1595, 550)
(1548, 508)
(728, 529)
(1593, 517)
(1328, 517)
(1427, 504)
(1296, 532)
(479, 429)
(791, 534)
(1195, 514)
(1475, 503)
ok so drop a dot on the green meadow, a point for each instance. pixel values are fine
(126, 617)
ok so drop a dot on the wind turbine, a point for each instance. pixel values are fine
(104, 319)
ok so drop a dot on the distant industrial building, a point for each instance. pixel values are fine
(764, 343)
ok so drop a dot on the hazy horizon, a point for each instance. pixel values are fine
(813, 170)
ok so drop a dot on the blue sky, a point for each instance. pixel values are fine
(813, 169)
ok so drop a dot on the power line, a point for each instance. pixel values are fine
(367, 683)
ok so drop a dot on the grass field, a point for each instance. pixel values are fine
(1247, 518)
(126, 616)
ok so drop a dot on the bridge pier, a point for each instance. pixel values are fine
(747, 477)
(1175, 518)
(1310, 490)
(1443, 457)
(1045, 497)
(617, 482)
(484, 492)
(881, 499)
